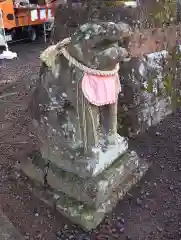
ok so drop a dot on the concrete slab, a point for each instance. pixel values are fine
(7, 230)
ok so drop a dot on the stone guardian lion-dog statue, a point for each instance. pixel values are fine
(74, 110)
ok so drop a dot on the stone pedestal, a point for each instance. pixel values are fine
(71, 160)
(85, 200)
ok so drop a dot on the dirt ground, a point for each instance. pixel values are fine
(151, 210)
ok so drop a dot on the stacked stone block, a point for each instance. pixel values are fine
(86, 196)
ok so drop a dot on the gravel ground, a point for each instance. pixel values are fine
(151, 210)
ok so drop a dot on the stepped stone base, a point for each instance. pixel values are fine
(71, 160)
(86, 201)
(91, 191)
(90, 218)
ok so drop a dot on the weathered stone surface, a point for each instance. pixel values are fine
(144, 101)
(78, 164)
(88, 217)
(91, 191)
(152, 113)
(140, 118)
(94, 191)
(159, 110)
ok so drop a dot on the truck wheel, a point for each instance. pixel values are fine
(32, 34)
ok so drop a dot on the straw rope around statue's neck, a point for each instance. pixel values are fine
(61, 48)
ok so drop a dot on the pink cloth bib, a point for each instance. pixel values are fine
(101, 90)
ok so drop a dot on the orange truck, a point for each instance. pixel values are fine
(22, 19)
